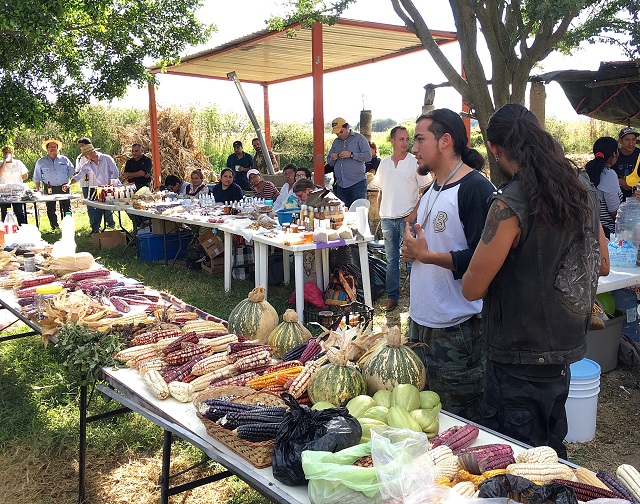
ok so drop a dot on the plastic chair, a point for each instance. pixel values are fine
(377, 246)
(359, 203)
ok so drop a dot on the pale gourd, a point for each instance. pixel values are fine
(254, 317)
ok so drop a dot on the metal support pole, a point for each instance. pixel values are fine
(82, 451)
(166, 466)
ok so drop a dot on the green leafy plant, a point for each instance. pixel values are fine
(82, 352)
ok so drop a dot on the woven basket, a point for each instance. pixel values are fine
(258, 454)
(217, 392)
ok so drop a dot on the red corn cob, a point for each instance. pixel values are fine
(189, 378)
(456, 437)
(84, 275)
(120, 304)
(26, 292)
(186, 354)
(183, 370)
(483, 451)
(586, 492)
(152, 297)
(38, 280)
(25, 301)
(254, 360)
(241, 337)
(247, 352)
(283, 365)
(213, 334)
(479, 459)
(615, 486)
(239, 380)
(154, 336)
(91, 283)
(190, 337)
(313, 348)
(236, 347)
(304, 399)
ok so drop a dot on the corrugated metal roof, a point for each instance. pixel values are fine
(268, 57)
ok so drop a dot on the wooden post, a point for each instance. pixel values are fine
(365, 124)
(267, 116)
(537, 97)
(155, 146)
(317, 72)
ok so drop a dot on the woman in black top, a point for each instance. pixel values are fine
(372, 166)
(197, 185)
(227, 189)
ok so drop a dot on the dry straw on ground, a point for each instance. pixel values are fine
(179, 154)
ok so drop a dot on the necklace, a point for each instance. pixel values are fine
(453, 172)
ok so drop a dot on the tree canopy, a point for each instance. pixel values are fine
(55, 55)
(518, 33)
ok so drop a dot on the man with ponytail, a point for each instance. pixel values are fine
(537, 269)
(450, 218)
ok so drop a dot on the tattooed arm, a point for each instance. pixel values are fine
(501, 233)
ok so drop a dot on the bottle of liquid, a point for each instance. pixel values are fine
(312, 212)
(10, 228)
(68, 234)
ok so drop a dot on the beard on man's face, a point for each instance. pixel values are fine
(423, 170)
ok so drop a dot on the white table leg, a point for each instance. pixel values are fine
(364, 270)
(264, 267)
(286, 266)
(318, 259)
(325, 268)
(228, 254)
(299, 275)
(256, 262)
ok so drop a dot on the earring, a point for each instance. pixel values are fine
(497, 158)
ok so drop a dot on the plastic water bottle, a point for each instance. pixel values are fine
(68, 234)
(10, 228)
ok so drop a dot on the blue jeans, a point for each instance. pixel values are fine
(90, 210)
(349, 194)
(392, 232)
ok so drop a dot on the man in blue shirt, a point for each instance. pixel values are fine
(348, 154)
(240, 163)
(54, 171)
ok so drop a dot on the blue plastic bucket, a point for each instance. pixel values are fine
(582, 404)
(285, 215)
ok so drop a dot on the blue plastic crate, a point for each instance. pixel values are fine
(151, 246)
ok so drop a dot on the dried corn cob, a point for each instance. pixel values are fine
(586, 492)
(479, 459)
(187, 353)
(214, 409)
(156, 364)
(210, 363)
(257, 432)
(276, 389)
(539, 455)
(295, 352)
(156, 384)
(189, 378)
(213, 334)
(630, 479)
(183, 392)
(154, 336)
(313, 348)
(615, 486)
(203, 381)
(219, 344)
(279, 366)
(248, 352)
(37, 280)
(183, 370)
(120, 304)
(439, 453)
(128, 353)
(176, 344)
(584, 475)
(92, 283)
(267, 379)
(261, 358)
(201, 326)
(464, 488)
(541, 473)
(237, 347)
(456, 437)
(299, 385)
(239, 380)
(447, 467)
(84, 275)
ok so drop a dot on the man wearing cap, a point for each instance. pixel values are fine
(264, 189)
(240, 163)
(53, 171)
(13, 171)
(259, 162)
(137, 169)
(104, 168)
(348, 154)
(627, 158)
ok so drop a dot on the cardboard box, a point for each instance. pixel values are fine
(211, 243)
(214, 266)
(156, 226)
(109, 239)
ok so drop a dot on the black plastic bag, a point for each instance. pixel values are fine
(330, 430)
(348, 259)
(522, 490)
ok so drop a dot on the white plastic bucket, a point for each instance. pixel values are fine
(582, 403)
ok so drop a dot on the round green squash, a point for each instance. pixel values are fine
(290, 333)
(254, 317)
(393, 364)
(336, 382)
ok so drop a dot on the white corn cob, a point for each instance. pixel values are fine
(201, 382)
(156, 384)
(584, 475)
(183, 392)
(440, 453)
(541, 473)
(219, 344)
(464, 488)
(202, 326)
(156, 363)
(630, 478)
(208, 364)
(538, 455)
(165, 342)
(128, 353)
(447, 467)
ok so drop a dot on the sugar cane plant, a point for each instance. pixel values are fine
(82, 352)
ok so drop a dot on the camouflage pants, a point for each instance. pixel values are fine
(454, 362)
(529, 411)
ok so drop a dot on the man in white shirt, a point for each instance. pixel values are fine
(13, 171)
(400, 186)
(89, 178)
(289, 173)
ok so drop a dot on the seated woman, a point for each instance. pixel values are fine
(605, 150)
(262, 188)
(227, 189)
(303, 173)
(302, 188)
(372, 166)
(197, 185)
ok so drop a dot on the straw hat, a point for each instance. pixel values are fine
(51, 140)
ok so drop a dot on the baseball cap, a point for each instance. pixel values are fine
(237, 143)
(252, 171)
(337, 124)
(628, 131)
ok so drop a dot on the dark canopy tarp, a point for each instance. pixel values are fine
(612, 93)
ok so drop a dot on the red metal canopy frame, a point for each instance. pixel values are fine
(270, 57)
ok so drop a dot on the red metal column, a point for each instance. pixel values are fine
(317, 71)
(155, 147)
(267, 117)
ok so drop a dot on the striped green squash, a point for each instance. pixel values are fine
(336, 382)
(254, 317)
(290, 333)
(393, 364)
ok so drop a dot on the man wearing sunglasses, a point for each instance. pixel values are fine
(348, 154)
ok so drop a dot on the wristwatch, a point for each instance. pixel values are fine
(351, 155)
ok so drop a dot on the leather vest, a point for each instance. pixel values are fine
(538, 306)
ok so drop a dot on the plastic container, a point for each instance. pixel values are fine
(602, 345)
(627, 303)
(285, 215)
(151, 246)
(582, 404)
(29, 262)
(10, 228)
(68, 239)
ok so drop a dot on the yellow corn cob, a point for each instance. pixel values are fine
(630, 478)
(156, 384)
(128, 353)
(463, 475)
(439, 453)
(447, 467)
(493, 472)
(211, 363)
(156, 363)
(268, 379)
(221, 343)
(443, 481)
(538, 455)
(183, 392)
(202, 326)
(464, 488)
(584, 475)
(127, 320)
(541, 473)
(201, 382)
